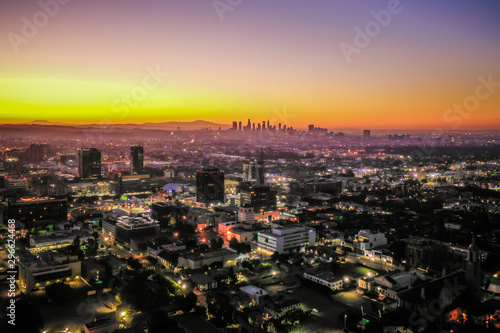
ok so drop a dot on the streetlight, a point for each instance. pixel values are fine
(345, 322)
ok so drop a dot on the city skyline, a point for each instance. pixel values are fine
(298, 64)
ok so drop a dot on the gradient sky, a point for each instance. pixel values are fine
(266, 56)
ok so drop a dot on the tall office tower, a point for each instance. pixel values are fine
(258, 127)
(136, 160)
(260, 168)
(279, 126)
(311, 128)
(89, 163)
(366, 134)
(284, 127)
(250, 172)
(235, 126)
(263, 125)
(210, 186)
(248, 127)
(253, 126)
(240, 126)
(261, 197)
(38, 152)
(268, 124)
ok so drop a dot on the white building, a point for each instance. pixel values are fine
(246, 214)
(286, 239)
(325, 279)
(366, 240)
(254, 292)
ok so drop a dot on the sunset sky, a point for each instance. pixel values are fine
(264, 57)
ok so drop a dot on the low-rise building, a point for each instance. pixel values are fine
(421, 252)
(286, 239)
(93, 271)
(102, 325)
(47, 268)
(197, 260)
(326, 279)
(113, 265)
(55, 240)
(203, 282)
(280, 309)
(256, 294)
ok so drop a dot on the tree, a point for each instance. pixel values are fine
(233, 243)
(134, 263)
(186, 303)
(213, 243)
(76, 243)
(92, 247)
(220, 243)
(162, 324)
(95, 234)
(232, 275)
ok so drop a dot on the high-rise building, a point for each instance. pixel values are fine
(136, 160)
(235, 126)
(261, 197)
(128, 227)
(38, 209)
(246, 214)
(38, 152)
(210, 186)
(263, 125)
(240, 126)
(89, 163)
(473, 272)
(311, 128)
(250, 172)
(366, 134)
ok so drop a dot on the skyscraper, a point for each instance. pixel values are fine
(89, 163)
(38, 152)
(366, 134)
(235, 126)
(136, 160)
(210, 185)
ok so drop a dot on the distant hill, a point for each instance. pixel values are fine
(168, 125)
